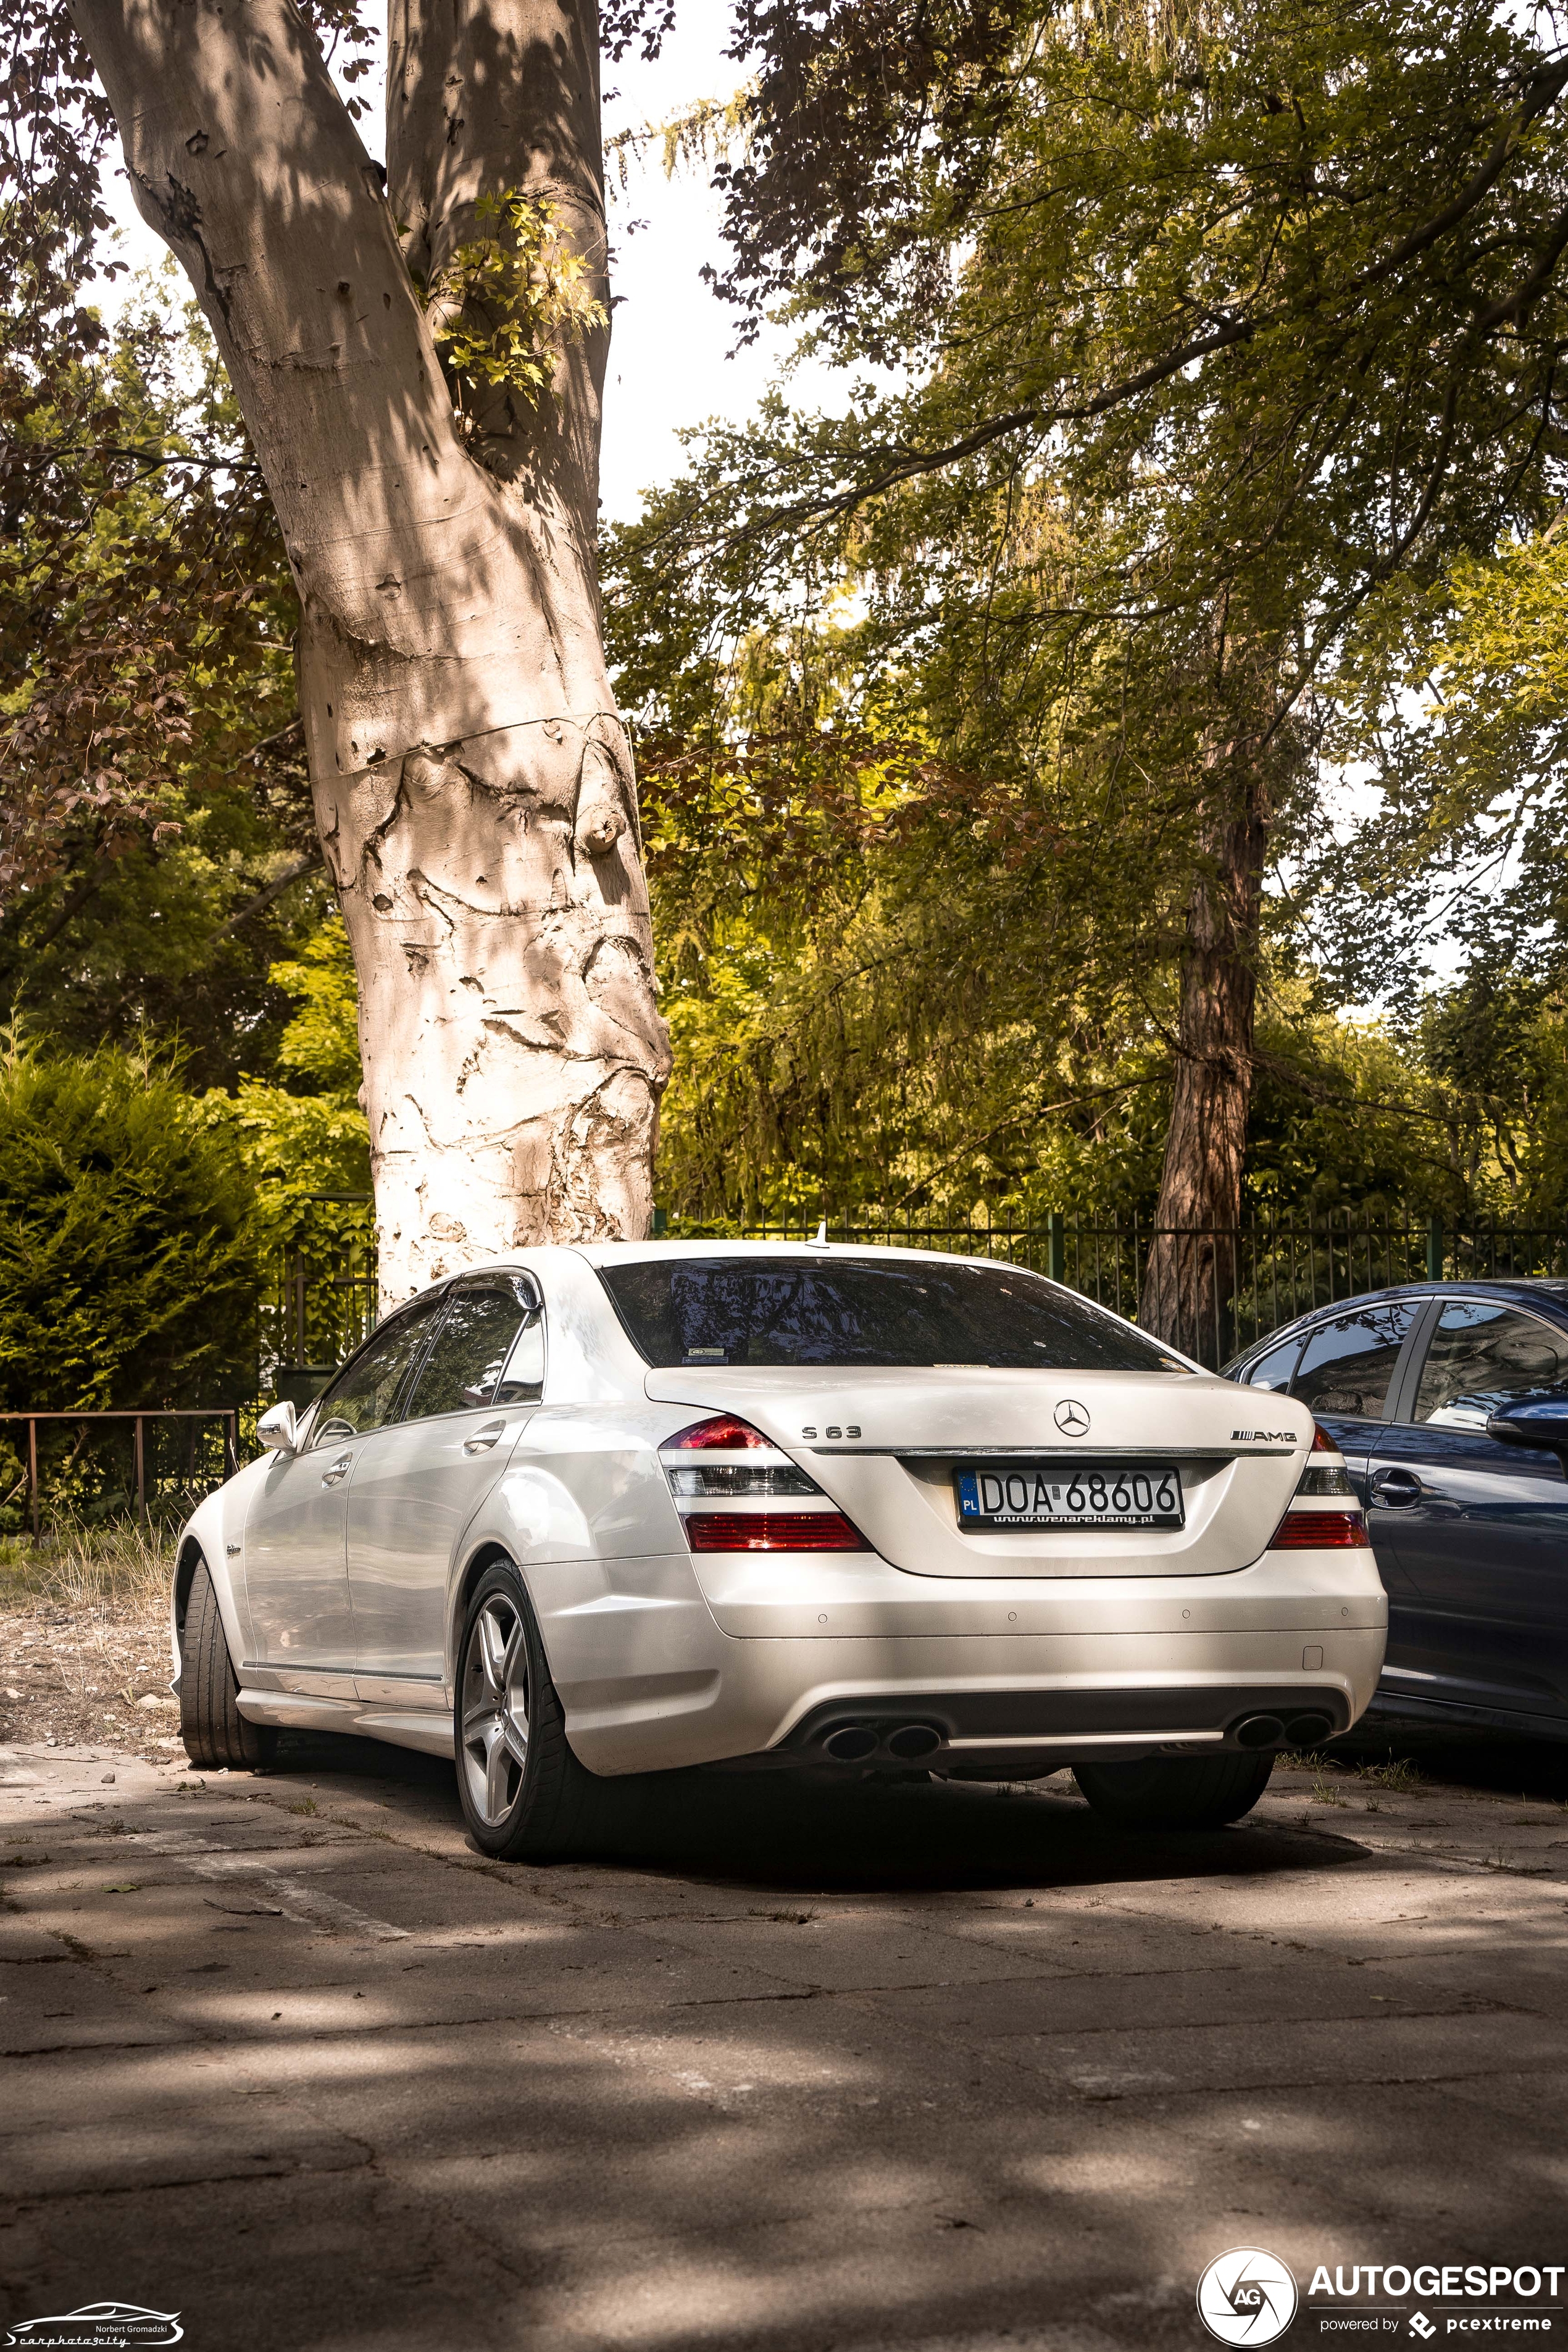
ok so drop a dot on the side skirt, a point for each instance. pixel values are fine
(400, 1727)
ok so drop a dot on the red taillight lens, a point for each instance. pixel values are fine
(721, 1432)
(1322, 1532)
(772, 1531)
(1321, 1441)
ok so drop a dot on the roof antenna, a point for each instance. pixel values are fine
(819, 1238)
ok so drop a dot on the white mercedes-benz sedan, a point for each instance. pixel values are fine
(637, 1507)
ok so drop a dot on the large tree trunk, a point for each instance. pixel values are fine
(474, 784)
(1191, 1270)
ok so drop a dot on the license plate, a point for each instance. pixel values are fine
(1069, 1495)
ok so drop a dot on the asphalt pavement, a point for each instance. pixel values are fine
(935, 2067)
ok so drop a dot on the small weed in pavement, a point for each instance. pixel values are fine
(1398, 1775)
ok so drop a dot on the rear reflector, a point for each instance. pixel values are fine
(721, 1432)
(1322, 1532)
(772, 1531)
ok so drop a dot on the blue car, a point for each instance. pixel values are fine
(1450, 1401)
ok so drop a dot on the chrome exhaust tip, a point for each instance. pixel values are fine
(913, 1739)
(1260, 1731)
(851, 1742)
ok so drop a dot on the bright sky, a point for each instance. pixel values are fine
(668, 359)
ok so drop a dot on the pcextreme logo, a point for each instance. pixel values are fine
(1247, 2296)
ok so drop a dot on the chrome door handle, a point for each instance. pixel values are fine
(338, 1469)
(483, 1439)
(1395, 1488)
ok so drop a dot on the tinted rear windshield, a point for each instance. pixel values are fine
(848, 1310)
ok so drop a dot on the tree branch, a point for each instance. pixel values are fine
(274, 889)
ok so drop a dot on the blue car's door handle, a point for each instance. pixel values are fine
(1395, 1488)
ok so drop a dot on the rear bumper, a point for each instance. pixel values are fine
(997, 1733)
(1014, 1677)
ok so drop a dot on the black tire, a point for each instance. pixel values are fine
(217, 1735)
(1175, 1792)
(525, 1797)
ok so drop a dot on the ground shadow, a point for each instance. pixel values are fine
(1465, 1755)
(918, 1836)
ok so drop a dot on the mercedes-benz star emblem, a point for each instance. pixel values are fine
(1071, 1418)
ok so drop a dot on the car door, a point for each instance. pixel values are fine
(1480, 1529)
(416, 1487)
(295, 1547)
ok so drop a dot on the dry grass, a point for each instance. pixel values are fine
(84, 1655)
(1398, 1776)
(121, 1572)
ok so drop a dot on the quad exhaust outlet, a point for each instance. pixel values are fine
(1256, 1731)
(853, 1742)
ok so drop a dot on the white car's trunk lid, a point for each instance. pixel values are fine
(887, 1445)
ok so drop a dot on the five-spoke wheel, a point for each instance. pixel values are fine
(494, 1707)
(524, 1794)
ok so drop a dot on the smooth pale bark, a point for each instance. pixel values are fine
(1191, 1270)
(474, 784)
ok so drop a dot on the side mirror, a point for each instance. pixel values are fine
(276, 1429)
(1535, 1421)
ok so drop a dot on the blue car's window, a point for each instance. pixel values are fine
(1482, 1357)
(1347, 1365)
(1273, 1371)
(846, 1310)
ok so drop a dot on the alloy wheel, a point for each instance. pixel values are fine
(495, 1710)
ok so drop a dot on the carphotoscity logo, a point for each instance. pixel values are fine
(107, 2326)
(1071, 1418)
(1247, 2296)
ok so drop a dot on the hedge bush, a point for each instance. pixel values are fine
(129, 1248)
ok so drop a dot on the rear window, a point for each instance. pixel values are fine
(846, 1310)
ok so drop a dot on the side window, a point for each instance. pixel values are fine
(523, 1382)
(1273, 1371)
(1347, 1365)
(364, 1395)
(474, 1346)
(1482, 1357)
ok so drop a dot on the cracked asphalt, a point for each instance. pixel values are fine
(935, 2067)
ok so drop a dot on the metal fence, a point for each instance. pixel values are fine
(321, 1299)
(1225, 1285)
(103, 1465)
(1221, 1288)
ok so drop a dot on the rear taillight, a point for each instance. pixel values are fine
(721, 1432)
(1322, 1532)
(1305, 1526)
(1324, 1478)
(723, 1459)
(734, 1480)
(827, 1530)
